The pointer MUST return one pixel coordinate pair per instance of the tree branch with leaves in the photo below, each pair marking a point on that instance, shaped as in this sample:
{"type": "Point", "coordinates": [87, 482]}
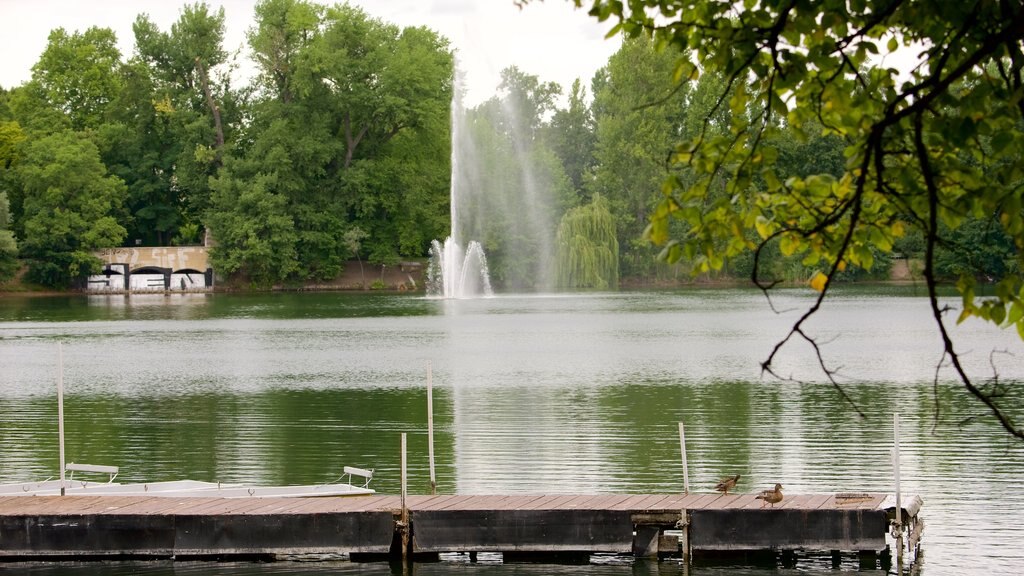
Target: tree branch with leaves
{"type": "Point", "coordinates": [930, 144]}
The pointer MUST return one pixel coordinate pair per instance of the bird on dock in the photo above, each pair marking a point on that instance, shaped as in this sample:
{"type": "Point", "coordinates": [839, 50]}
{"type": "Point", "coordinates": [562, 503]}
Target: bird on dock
{"type": "Point", "coordinates": [727, 483]}
{"type": "Point", "coordinates": [772, 497]}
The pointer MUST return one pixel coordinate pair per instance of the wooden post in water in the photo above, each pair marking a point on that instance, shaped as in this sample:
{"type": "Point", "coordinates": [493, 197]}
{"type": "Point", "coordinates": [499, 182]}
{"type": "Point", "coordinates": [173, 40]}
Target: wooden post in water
{"type": "Point", "coordinates": [899, 498]}
{"type": "Point", "coordinates": [405, 508]}
{"type": "Point", "coordinates": [684, 519]}
{"type": "Point", "coordinates": [682, 446]}
{"type": "Point", "coordinates": [405, 482]}
{"type": "Point", "coordinates": [430, 428]}
{"type": "Point", "coordinates": [60, 411]}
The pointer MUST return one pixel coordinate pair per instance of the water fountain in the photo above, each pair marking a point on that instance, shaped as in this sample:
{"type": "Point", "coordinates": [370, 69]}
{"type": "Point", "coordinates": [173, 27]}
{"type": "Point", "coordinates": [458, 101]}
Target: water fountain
{"type": "Point", "coordinates": [452, 271]}
{"type": "Point", "coordinates": [457, 274]}
{"type": "Point", "coordinates": [501, 197]}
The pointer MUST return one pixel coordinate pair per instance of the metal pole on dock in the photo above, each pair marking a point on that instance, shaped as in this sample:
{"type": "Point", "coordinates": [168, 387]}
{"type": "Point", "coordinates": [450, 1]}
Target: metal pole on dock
{"type": "Point", "coordinates": [405, 510]}
{"type": "Point", "coordinates": [684, 519]}
{"type": "Point", "coordinates": [430, 428]}
{"type": "Point", "coordinates": [686, 472]}
{"type": "Point", "coordinates": [899, 498]}
{"type": "Point", "coordinates": [405, 483]}
{"type": "Point", "coordinates": [60, 411]}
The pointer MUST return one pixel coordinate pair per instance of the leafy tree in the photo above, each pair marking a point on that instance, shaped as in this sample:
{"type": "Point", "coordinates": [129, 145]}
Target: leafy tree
{"type": "Point", "coordinates": [348, 128]}
{"type": "Point", "coordinates": [28, 106]}
{"type": "Point", "coordinates": [381, 80]}
{"type": "Point", "coordinates": [11, 136]}
{"type": "Point", "coordinates": [573, 138]}
{"type": "Point", "coordinates": [69, 207]}
{"type": "Point", "coordinates": [408, 168]}
{"type": "Point", "coordinates": [284, 28]}
{"type": "Point", "coordinates": [978, 248]}
{"type": "Point", "coordinates": [638, 115]}
{"type": "Point", "coordinates": [257, 239]}
{"type": "Point", "coordinates": [141, 144]}
{"type": "Point", "coordinates": [353, 240]}
{"type": "Point", "coordinates": [588, 251]}
{"type": "Point", "coordinates": [926, 151]}
{"type": "Point", "coordinates": [78, 74]}
{"type": "Point", "coordinates": [193, 95]}
{"type": "Point", "coordinates": [8, 245]}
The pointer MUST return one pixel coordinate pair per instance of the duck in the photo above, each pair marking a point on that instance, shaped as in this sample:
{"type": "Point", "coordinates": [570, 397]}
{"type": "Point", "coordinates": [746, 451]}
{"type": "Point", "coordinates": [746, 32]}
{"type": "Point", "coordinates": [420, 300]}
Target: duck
{"type": "Point", "coordinates": [727, 483]}
{"type": "Point", "coordinates": [772, 497]}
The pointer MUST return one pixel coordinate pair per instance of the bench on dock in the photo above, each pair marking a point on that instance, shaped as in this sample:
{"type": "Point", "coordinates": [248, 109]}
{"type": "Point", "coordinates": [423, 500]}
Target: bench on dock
{"type": "Point", "coordinates": [97, 468]}
{"type": "Point", "coordinates": [365, 474]}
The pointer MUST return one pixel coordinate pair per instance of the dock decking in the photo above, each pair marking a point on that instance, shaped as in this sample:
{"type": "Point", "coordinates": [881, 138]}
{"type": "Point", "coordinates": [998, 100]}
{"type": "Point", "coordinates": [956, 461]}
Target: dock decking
{"type": "Point", "coordinates": [134, 526]}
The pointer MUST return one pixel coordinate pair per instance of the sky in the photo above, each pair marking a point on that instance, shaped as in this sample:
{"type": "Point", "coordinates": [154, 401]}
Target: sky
{"type": "Point", "coordinates": [551, 39]}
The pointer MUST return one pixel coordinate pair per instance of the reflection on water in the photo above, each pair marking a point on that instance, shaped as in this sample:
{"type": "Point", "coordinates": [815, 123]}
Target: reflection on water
{"type": "Point", "coordinates": [532, 394]}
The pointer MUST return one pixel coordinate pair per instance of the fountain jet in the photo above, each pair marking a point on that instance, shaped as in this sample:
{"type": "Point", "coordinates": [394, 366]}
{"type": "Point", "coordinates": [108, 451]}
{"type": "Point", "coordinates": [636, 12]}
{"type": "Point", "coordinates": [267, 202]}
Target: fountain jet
{"type": "Point", "coordinates": [452, 272]}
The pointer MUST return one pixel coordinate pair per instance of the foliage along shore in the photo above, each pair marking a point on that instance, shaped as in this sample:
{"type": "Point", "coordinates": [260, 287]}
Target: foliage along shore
{"type": "Point", "coordinates": [379, 278]}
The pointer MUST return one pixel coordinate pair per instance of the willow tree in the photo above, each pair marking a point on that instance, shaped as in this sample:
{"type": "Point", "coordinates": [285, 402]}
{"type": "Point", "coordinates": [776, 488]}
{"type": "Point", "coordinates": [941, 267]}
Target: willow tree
{"type": "Point", "coordinates": [929, 146]}
{"type": "Point", "coordinates": [588, 251]}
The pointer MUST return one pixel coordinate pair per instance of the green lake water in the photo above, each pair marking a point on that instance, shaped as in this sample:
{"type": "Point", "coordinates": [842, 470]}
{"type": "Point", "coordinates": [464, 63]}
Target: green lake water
{"type": "Point", "coordinates": [532, 394]}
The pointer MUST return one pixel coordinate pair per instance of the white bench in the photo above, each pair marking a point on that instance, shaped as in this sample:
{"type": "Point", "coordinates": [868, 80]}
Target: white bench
{"type": "Point", "coordinates": [351, 471]}
{"type": "Point", "coordinates": [97, 468]}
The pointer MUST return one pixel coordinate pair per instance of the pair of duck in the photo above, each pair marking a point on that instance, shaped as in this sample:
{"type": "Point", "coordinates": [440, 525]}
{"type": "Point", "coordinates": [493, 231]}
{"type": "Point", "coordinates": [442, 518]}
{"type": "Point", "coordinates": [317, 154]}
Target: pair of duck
{"type": "Point", "coordinates": [772, 497]}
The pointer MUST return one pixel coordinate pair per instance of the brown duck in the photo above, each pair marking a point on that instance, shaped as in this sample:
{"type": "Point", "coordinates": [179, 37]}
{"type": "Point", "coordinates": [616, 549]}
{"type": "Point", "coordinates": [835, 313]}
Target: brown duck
{"type": "Point", "coordinates": [727, 483]}
{"type": "Point", "coordinates": [772, 497]}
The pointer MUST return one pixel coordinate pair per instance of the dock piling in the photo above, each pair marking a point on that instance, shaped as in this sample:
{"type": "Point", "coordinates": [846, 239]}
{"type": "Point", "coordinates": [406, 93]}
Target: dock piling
{"type": "Point", "coordinates": [60, 410]}
{"type": "Point", "coordinates": [682, 446]}
{"type": "Point", "coordinates": [430, 428]}
{"type": "Point", "coordinates": [404, 527]}
{"type": "Point", "coordinates": [898, 522]}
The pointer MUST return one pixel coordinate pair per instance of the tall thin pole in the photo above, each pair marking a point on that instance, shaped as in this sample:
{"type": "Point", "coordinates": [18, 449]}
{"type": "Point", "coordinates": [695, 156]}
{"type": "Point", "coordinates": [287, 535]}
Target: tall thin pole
{"type": "Point", "coordinates": [684, 514]}
{"type": "Point", "coordinates": [405, 483]}
{"type": "Point", "coordinates": [405, 510]}
{"type": "Point", "coordinates": [686, 471]}
{"type": "Point", "coordinates": [430, 427]}
{"type": "Point", "coordinates": [899, 497]}
{"type": "Point", "coordinates": [60, 411]}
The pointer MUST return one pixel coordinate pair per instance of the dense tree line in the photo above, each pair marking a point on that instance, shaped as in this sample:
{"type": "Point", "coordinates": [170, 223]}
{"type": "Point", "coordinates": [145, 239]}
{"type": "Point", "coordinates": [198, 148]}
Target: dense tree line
{"type": "Point", "coordinates": [337, 148]}
{"type": "Point", "coordinates": [340, 148]}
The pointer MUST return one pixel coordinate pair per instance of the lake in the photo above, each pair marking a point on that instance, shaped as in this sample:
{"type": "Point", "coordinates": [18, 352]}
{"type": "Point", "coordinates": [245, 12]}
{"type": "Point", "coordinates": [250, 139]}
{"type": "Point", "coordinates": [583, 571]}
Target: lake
{"type": "Point", "coordinates": [532, 393]}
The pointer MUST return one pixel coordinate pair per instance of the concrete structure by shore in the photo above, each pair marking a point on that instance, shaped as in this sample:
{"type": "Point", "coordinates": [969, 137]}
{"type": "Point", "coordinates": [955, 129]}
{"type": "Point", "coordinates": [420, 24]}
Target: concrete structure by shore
{"type": "Point", "coordinates": [159, 269]}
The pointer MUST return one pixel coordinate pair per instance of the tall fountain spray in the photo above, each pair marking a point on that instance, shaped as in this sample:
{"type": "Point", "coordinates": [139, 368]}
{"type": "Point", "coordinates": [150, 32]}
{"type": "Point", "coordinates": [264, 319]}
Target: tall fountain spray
{"type": "Point", "coordinates": [507, 191]}
{"type": "Point", "coordinates": [455, 272]}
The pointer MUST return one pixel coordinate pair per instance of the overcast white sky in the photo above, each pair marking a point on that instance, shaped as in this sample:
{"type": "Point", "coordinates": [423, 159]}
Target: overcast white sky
{"type": "Point", "coordinates": [549, 39]}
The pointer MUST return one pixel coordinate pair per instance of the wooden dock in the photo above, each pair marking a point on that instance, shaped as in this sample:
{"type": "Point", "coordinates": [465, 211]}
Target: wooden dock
{"type": "Point", "coordinates": [162, 527]}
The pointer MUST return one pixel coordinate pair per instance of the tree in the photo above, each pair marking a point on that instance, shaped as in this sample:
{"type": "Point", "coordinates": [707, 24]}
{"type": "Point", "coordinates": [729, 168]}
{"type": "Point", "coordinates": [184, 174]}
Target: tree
{"type": "Point", "coordinates": [11, 136]}
{"type": "Point", "coordinates": [284, 28]}
{"type": "Point", "coordinates": [573, 137]}
{"type": "Point", "coordinates": [382, 80]}
{"type": "Point", "coordinates": [141, 144]}
{"type": "Point", "coordinates": [353, 240]}
{"type": "Point", "coordinates": [193, 96]}
{"type": "Point", "coordinates": [78, 74]}
{"type": "Point", "coordinates": [588, 252]}
{"type": "Point", "coordinates": [639, 114]}
{"type": "Point", "coordinates": [8, 245]}
{"type": "Point", "coordinates": [69, 207]}
{"type": "Point", "coordinates": [926, 151]}
{"type": "Point", "coordinates": [257, 238]}
{"type": "Point", "coordinates": [348, 128]}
